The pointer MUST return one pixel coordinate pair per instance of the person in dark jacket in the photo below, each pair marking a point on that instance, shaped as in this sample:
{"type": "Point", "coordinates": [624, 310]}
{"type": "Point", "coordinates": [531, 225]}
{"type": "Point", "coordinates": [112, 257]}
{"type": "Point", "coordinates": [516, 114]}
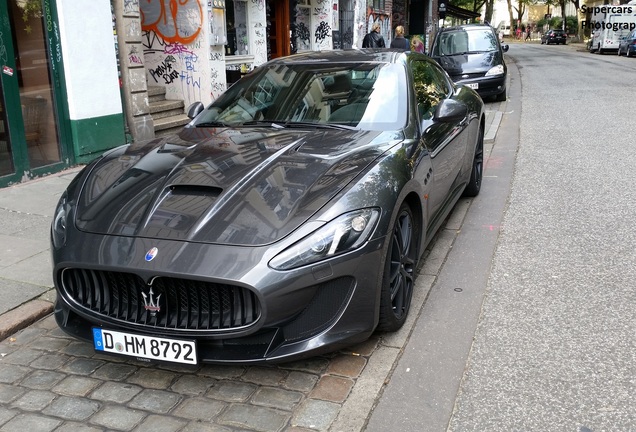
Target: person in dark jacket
{"type": "Point", "coordinates": [399, 41]}
{"type": "Point", "coordinates": [373, 39]}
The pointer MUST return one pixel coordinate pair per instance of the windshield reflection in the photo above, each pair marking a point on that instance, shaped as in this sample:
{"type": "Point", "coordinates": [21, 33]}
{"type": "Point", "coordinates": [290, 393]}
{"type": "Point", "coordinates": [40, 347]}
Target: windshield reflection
{"type": "Point", "coordinates": [367, 96]}
{"type": "Point", "coordinates": [465, 42]}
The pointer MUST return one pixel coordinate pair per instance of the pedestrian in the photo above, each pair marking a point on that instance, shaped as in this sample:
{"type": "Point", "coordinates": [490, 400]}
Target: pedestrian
{"type": "Point", "coordinates": [373, 39]}
{"type": "Point", "coordinates": [528, 33]}
{"type": "Point", "coordinates": [518, 31]}
{"type": "Point", "coordinates": [400, 41]}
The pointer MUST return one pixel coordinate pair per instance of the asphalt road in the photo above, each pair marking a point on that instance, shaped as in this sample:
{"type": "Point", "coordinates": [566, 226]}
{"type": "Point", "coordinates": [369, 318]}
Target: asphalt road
{"type": "Point", "coordinates": [554, 341]}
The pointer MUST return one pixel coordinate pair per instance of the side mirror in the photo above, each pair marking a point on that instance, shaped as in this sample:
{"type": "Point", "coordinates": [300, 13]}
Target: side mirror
{"type": "Point", "coordinates": [505, 47]}
{"type": "Point", "coordinates": [195, 109]}
{"type": "Point", "coordinates": [450, 110]}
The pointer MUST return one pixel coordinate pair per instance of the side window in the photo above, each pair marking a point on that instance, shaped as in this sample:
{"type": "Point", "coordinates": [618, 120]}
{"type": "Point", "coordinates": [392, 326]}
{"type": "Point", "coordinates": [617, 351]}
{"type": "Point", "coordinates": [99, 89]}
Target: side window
{"type": "Point", "coordinates": [430, 86]}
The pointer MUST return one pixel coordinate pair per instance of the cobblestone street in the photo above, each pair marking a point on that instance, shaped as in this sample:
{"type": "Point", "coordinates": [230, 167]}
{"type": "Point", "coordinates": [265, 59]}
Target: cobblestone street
{"type": "Point", "coordinates": [49, 379]}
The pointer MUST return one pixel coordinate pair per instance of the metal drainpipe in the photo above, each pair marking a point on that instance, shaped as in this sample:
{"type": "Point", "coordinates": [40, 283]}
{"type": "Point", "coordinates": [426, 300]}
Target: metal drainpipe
{"type": "Point", "coordinates": [427, 24]}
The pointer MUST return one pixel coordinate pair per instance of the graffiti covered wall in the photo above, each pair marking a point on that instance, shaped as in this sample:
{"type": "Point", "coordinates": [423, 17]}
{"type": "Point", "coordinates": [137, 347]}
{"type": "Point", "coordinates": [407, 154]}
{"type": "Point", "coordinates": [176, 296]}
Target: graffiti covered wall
{"type": "Point", "coordinates": [176, 49]}
{"type": "Point", "coordinates": [322, 24]}
{"type": "Point", "coordinates": [360, 18]}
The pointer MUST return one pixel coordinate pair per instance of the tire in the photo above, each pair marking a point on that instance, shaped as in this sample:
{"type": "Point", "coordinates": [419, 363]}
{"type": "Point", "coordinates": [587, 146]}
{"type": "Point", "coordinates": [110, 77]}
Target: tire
{"type": "Point", "coordinates": [627, 53]}
{"type": "Point", "coordinates": [400, 264]}
{"type": "Point", "coordinates": [619, 51]}
{"type": "Point", "coordinates": [477, 173]}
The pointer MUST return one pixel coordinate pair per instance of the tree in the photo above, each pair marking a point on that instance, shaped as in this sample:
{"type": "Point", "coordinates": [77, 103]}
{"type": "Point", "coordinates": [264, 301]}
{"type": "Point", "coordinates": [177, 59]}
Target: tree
{"type": "Point", "coordinates": [512, 20]}
{"type": "Point", "coordinates": [476, 6]}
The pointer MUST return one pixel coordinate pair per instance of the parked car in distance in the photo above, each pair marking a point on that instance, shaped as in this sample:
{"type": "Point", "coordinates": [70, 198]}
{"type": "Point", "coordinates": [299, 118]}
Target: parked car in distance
{"type": "Point", "coordinates": [554, 36]}
{"type": "Point", "coordinates": [627, 45]}
{"type": "Point", "coordinates": [286, 220]}
{"type": "Point", "coordinates": [503, 28]}
{"type": "Point", "coordinates": [472, 55]}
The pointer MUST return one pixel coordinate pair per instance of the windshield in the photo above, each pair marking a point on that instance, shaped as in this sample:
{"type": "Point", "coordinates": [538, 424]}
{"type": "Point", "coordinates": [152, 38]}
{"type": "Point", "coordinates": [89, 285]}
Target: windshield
{"type": "Point", "coordinates": [465, 41]}
{"type": "Point", "coordinates": [367, 96]}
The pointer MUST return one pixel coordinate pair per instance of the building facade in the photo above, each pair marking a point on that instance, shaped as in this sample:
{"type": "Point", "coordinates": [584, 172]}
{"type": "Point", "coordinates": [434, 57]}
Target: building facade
{"type": "Point", "coordinates": [81, 77]}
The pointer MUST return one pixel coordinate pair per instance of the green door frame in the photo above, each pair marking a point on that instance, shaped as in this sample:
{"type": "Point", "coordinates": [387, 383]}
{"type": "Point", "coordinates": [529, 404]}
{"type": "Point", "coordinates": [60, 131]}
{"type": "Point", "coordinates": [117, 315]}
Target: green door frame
{"type": "Point", "coordinates": [11, 92]}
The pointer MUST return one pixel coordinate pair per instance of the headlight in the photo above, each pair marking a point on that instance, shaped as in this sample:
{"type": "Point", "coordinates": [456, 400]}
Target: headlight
{"type": "Point", "coordinates": [343, 234]}
{"type": "Point", "coordinates": [58, 227]}
{"type": "Point", "coordinates": [495, 70]}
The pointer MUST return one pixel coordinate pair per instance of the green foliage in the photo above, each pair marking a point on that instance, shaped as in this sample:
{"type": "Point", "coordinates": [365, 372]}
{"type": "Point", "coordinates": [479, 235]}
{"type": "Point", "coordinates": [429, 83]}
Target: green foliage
{"type": "Point", "coordinates": [464, 4]}
{"type": "Point", "coordinates": [571, 23]}
{"type": "Point", "coordinates": [30, 8]}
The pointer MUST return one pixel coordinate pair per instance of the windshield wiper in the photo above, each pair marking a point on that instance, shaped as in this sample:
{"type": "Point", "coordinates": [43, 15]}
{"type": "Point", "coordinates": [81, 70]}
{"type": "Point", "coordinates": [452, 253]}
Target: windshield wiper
{"type": "Point", "coordinates": [212, 124]}
{"type": "Point", "coordinates": [262, 123]}
{"type": "Point", "coordinates": [466, 52]}
{"type": "Point", "coordinates": [320, 125]}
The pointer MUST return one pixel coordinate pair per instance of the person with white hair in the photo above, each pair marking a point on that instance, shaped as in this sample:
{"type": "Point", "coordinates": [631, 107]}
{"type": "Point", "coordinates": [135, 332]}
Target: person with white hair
{"type": "Point", "coordinates": [374, 39]}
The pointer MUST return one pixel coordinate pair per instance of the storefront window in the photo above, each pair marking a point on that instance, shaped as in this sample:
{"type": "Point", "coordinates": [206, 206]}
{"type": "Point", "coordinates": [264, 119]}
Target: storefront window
{"type": "Point", "coordinates": [237, 35]}
{"type": "Point", "coordinates": [36, 94]}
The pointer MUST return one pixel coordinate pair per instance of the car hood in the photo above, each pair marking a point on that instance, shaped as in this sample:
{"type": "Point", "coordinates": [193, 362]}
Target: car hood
{"type": "Point", "coordinates": [247, 186]}
{"type": "Point", "coordinates": [478, 63]}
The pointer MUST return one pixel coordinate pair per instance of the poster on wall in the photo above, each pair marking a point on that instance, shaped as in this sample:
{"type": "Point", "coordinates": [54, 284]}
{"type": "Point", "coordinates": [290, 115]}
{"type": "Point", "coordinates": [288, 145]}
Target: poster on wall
{"type": "Point", "coordinates": [335, 22]}
{"type": "Point", "coordinates": [335, 37]}
{"type": "Point", "coordinates": [417, 43]}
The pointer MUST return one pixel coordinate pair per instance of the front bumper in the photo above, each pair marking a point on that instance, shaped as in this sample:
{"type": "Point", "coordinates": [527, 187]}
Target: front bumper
{"type": "Point", "coordinates": [487, 86]}
{"type": "Point", "coordinates": [302, 312]}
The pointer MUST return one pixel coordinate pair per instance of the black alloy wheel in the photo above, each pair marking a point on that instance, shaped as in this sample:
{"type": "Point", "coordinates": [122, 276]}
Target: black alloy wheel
{"type": "Point", "coordinates": [477, 173]}
{"type": "Point", "coordinates": [399, 272]}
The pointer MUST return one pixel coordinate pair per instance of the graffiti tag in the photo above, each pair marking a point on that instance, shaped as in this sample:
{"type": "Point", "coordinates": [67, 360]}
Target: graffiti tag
{"type": "Point", "coordinates": [164, 71]}
{"type": "Point", "coordinates": [175, 21]}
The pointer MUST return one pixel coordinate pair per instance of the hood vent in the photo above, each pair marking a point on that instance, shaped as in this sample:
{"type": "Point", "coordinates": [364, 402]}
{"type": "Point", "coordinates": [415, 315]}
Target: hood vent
{"type": "Point", "coordinates": [196, 190]}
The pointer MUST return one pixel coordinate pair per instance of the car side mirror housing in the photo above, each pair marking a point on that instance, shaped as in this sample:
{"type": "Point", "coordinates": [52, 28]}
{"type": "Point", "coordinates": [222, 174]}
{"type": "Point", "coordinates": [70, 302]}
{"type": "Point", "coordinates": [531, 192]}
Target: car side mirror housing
{"type": "Point", "coordinates": [195, 109]}
{"type": "Point", "coordinates": [505, 47]}
{"type": "Point", "coordinates": [450, 110]}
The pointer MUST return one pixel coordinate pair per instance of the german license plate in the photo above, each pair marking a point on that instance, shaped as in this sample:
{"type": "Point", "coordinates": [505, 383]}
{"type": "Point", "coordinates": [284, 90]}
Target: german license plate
{"type": "Point", "coordinates": [473, 86]}
{"type": "Point", "coordinates": [145, 347]}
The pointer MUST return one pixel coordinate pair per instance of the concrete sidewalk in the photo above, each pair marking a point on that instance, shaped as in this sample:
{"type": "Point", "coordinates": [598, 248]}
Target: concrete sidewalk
{"type": "Point", "coordinates": [26, 284]}
{"type": "Point", "coordinates": [26, 212]}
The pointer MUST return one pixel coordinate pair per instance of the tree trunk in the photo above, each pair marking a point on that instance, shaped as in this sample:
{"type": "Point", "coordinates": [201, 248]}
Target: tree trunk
{"type": "Point", "coordinates": [489, 11]}
{"type": "Point", "coordinates": [562, 2]}
{"type": "Point", "coordinates": [512, 20]}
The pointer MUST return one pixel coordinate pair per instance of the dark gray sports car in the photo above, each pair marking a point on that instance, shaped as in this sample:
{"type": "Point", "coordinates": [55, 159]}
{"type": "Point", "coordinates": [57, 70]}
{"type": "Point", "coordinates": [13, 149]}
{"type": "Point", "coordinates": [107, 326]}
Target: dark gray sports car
{"type": "Point", "coordinates": [285, 220]}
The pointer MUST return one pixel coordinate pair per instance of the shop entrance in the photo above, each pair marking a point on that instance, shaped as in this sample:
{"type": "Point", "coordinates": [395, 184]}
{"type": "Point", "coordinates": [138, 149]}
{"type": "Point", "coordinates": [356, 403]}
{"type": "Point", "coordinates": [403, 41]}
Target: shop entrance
{"type": "Point", "coordinates": [29, 134]}
{"type": "Point", "coordinates": [279, 37]}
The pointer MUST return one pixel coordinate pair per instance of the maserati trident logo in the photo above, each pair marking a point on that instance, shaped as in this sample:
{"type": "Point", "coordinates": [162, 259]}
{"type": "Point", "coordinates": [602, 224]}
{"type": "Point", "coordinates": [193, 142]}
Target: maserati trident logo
{"type": "Point", "coordinates": [151, 254]}
{"type": "Point", "coordinates": [151, 304]}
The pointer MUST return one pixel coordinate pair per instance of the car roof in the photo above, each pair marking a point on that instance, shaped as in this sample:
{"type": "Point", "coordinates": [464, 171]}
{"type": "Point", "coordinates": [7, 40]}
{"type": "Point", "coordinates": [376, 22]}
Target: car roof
{"type": "Point", "coordinates": [345, 56]}
{"type": "Point", "coordinates": [467, 27]}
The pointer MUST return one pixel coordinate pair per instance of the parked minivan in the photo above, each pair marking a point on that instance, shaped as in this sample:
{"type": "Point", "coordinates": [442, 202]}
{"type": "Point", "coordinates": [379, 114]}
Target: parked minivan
{"type": "Point", "coordinates": [472, 55]}
{"type": "Point", "coordinates": [503, 28]}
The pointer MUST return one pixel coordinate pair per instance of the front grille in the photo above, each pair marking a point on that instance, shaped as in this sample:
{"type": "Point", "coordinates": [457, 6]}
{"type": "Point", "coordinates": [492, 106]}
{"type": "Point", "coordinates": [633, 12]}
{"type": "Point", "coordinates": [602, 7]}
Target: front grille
{"type": "Point", "coordinates": [469, 76]}
{"type": "Point", "coordinates": [183, 304]}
